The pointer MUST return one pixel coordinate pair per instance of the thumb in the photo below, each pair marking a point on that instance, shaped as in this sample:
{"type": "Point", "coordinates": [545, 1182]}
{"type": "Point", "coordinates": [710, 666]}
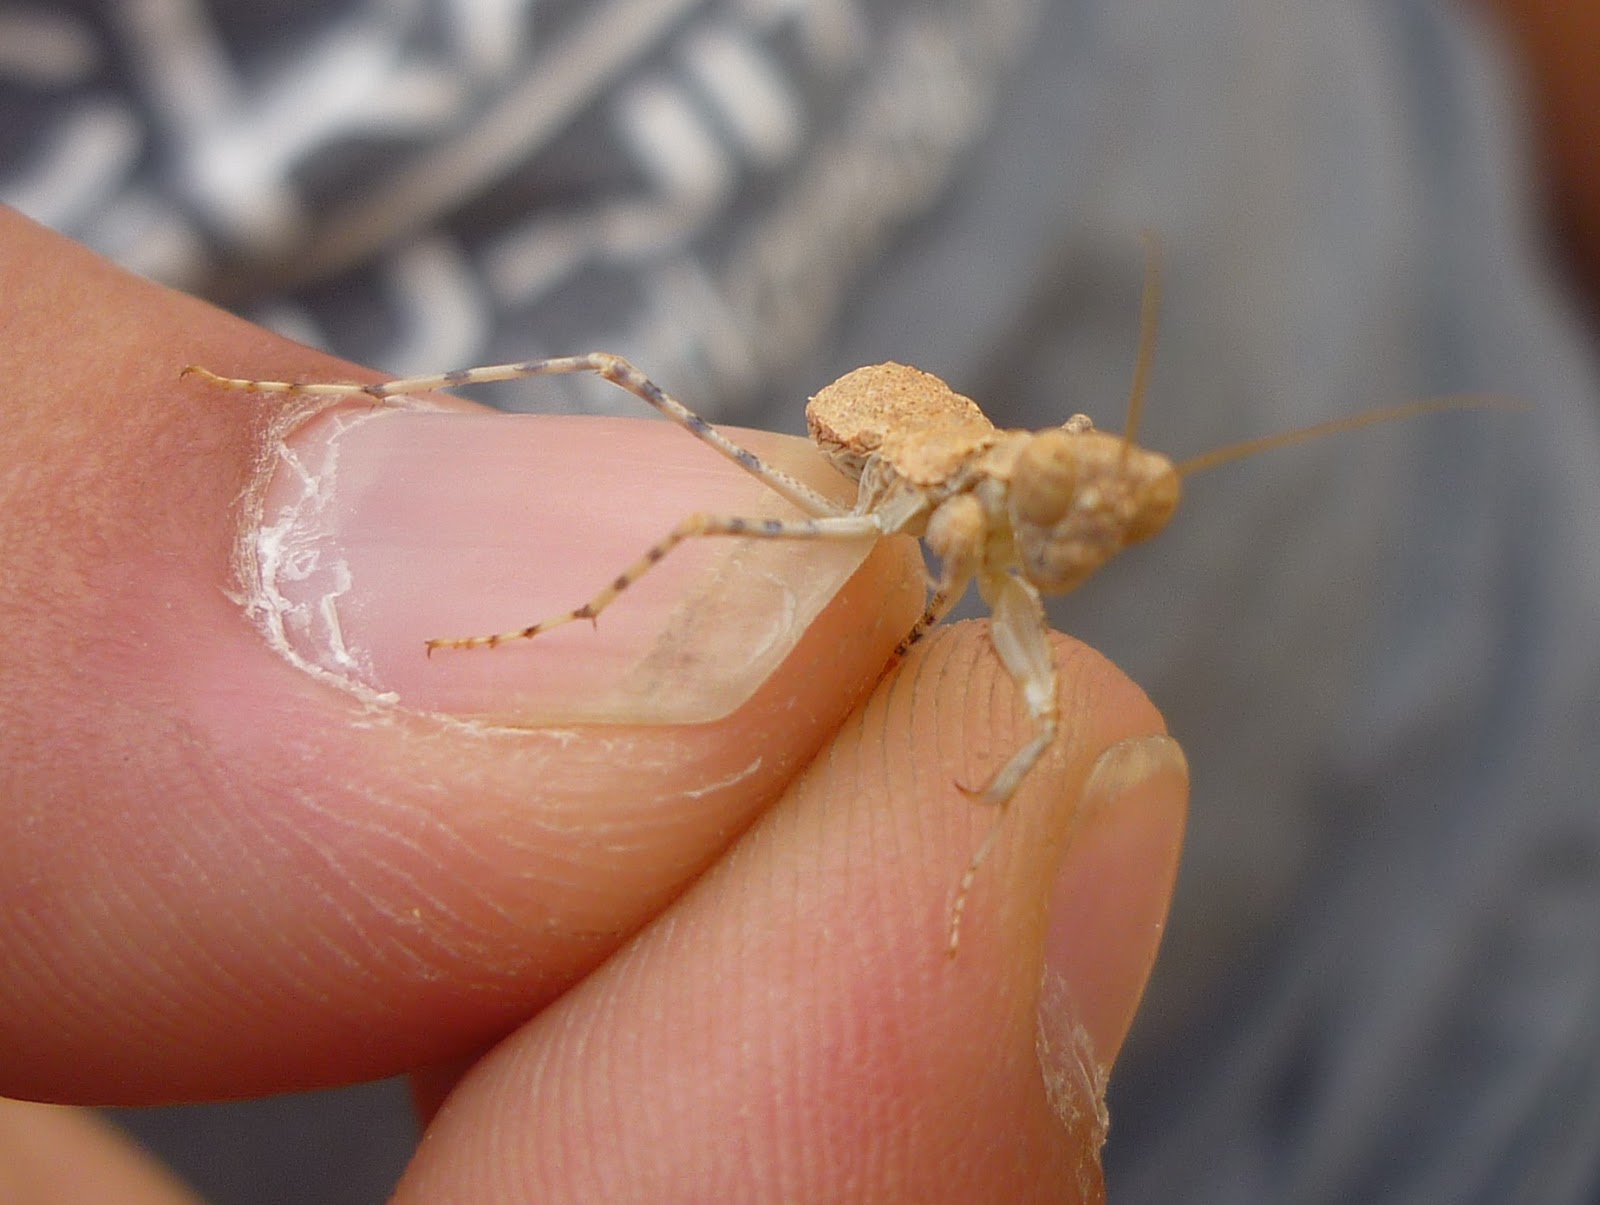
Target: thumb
{"type": "Point", "coordinates": [252, 839]}
{"type": "Point", "coordinates": [793, 1028]}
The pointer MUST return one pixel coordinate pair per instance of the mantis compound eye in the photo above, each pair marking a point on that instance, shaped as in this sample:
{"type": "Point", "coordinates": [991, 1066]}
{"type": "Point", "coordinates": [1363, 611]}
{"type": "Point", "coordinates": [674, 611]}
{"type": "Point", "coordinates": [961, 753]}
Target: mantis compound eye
{"type": "Point", "coordinates": [1157, 499]}
{"type": "Point", "coordinates": [1045, 478]}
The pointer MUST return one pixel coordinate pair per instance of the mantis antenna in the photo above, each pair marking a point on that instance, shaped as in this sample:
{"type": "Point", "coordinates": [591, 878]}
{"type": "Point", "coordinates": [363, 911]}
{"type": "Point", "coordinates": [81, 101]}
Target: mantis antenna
{"type": "Point", "coordinates": [1149, 321]}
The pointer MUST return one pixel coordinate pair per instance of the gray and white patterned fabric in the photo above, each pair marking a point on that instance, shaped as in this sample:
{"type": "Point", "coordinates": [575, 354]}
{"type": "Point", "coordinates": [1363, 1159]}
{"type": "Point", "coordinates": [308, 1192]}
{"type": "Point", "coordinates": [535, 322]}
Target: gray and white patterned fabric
{"type": "Point", "coordinates": [1381, 653]}
{"type": "Point", "coordinates": [427, 182]}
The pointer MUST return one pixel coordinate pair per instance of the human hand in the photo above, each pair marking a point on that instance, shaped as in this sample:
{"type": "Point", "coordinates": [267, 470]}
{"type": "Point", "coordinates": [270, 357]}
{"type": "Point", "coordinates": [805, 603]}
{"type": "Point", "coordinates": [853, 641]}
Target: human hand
{"type": "Point", "coordinates": [625, 961]}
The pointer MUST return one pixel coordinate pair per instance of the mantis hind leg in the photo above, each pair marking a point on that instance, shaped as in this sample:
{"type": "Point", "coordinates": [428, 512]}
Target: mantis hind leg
{"type": "Point", "coordinates": [613, 368]}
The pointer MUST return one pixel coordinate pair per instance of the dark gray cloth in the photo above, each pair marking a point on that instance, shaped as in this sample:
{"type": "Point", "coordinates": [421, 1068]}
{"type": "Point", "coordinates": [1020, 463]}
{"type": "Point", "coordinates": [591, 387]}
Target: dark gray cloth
{"type": "Point", "coordinates": [1381, 653]}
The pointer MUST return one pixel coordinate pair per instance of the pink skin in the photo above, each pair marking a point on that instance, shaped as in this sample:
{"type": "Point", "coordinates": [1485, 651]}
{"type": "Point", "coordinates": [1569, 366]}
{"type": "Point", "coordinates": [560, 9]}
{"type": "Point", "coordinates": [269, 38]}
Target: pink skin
{"type": "Point", "coordinates": [221, 875]}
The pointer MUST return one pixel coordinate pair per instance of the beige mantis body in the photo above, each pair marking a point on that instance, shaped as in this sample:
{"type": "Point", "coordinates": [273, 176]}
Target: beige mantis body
{"type": "Point", "coordinates": [1022, 513]}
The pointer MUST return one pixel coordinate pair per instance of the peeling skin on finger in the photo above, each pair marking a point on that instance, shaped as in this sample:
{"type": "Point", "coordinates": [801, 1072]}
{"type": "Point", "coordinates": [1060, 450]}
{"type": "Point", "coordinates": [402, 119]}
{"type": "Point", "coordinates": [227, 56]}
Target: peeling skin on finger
{"type": "Point", "coordinates": [1074, 1076]}
{"type": "Point", "coordinates": [1074, 1082]}
{"type": "Point", "coordinates": [292, 576]}
{"type": "Point", "coordinates": [731, 780]}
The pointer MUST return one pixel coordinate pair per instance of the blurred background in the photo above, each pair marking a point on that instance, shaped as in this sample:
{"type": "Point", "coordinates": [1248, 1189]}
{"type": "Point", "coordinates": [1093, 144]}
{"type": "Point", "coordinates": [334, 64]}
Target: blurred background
{"type": "Point", "coordinates": [1381, 653]}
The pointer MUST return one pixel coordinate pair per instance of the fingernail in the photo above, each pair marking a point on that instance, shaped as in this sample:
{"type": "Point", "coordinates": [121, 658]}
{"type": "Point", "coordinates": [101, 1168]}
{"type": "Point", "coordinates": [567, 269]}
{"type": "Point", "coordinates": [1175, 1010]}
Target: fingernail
{"type": "Point", "coordinates": [378, 529]}
{"type": "Point", "coordinates": [1108, 908]}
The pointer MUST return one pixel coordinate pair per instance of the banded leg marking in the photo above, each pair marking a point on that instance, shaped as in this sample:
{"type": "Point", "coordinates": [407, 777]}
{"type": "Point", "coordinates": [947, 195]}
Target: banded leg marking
{"type": "Point", "coordinates": [943, 599]}
{"type": "Point", "coordinates": [838, 527]}
{"type": "Point", "coordinates": [613, 368]}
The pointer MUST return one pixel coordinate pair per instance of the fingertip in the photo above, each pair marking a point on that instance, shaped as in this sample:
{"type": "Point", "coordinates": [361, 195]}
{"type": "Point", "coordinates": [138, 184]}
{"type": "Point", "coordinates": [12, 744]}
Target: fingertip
{"type": "Point", "coordinates": [1108, 904]}
{"type": "Point", "coordinates": [55, 1155]}
{"type": "Point", "coordinates": [1112, 889]}
{"type": "Point", "coordinates": [800, 993]}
